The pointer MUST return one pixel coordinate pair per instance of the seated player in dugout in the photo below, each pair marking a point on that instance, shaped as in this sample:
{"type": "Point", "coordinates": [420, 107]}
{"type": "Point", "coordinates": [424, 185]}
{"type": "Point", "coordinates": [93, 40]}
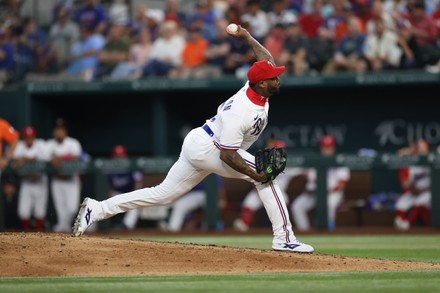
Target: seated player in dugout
{"type": "Point", "coordinates": [413, 207]}
{"type": "Point", "coordinates": [337, 179]}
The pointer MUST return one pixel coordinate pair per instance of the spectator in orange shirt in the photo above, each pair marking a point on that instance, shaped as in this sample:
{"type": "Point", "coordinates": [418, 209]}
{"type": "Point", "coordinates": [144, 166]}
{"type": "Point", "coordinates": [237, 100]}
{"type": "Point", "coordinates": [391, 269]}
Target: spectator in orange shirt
{"type": "Point", "coordinates": [216, 53]}
{"type": "Point", "coordinates": [9, 135]}
{"type": "Point", "coordinates": [193, 54]}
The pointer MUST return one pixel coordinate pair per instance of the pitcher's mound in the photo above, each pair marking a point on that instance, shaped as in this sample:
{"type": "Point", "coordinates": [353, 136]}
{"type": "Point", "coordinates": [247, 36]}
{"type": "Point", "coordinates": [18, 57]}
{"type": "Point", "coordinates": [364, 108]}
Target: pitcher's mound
{"type": "Point", "coordinates": [51, 254]}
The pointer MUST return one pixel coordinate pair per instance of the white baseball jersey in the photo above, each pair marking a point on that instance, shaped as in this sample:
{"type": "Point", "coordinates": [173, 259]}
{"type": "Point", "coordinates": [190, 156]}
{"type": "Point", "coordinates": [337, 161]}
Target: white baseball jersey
{"type": "Point", "coordinates": [240, 120]}
{"type": "Point", "coordinates": [237, 125]}
{"type": "Point", "coordinates": [420, 177]}
{"type": "Point", "coordinates": [38, 150]}
{"type": "Point", "coordinates": [33, 194]}
{"type": "Point", "coordinates": [65, 189]}
{"type": "Point", "coordinates": [67, 148]}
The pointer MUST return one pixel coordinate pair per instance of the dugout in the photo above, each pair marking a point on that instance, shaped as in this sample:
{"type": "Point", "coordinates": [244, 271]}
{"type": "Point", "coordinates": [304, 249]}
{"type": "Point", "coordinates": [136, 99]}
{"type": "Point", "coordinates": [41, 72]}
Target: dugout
{"type": "Point", "coordinates": [382, 111]}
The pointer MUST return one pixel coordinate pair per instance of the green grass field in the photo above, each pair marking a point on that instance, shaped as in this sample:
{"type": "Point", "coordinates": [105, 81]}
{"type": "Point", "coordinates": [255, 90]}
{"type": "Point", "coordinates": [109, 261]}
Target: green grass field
{"type": "Point", "coordinates": [423, 248]}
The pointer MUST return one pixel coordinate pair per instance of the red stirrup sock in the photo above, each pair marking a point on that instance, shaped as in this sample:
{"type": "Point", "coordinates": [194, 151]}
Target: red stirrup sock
{"type": "Point", "coordinates": [26, 225]}
{"type": "Point", "coordinates": [247, 215]}
{"type": "Point", "coordinates": [401, 214]}
{"type": "Point", "coordinates": [425, 215]}
{"type": "Point", "coordinates": [40, 225]}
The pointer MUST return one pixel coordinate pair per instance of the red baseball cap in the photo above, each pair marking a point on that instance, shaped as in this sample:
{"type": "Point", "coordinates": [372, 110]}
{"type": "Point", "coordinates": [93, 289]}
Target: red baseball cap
{"type": "Point", "coordinates": [29, 131]}
{"type": "Point", "coordinates": [328, 141]}
{"type": "Point", "coordinates": [262, 70]}
{"type": "Point", "coordinates": [119, 151]}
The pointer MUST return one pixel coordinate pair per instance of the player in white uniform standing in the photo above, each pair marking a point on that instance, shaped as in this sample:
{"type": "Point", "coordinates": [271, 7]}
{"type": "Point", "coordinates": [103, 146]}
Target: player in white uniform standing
{"type": "Point", "coordinates": [66, 189]}
{"type": "Point", "coordinates": [34, 192]}
{"type": "Point", "coordinates": [337, 178]}
{"type": "Point", "coordinates": [219, 146]}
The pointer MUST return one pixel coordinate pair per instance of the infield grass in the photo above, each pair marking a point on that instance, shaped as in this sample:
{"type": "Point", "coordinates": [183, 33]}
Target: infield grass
{"type": "Point", "coordinates": [425, 248]}
{"type": "Point", "coordinates": [386, 282]}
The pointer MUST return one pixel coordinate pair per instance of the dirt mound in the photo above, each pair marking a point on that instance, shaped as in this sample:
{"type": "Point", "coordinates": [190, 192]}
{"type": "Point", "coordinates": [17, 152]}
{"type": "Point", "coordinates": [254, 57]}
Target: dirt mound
{"type": "Point", "coordinates": [51, 254]}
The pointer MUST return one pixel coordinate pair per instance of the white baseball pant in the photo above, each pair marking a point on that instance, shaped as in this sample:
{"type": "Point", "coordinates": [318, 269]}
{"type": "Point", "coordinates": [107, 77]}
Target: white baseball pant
{"type": "Point", "coordinates": [199, 157]}
{"type": "Point", "coordinates": [66, 198]}
{"type": "Point", "coordinates": [32, 199]}
{"type": "Point", "coordinates": [406, 201]}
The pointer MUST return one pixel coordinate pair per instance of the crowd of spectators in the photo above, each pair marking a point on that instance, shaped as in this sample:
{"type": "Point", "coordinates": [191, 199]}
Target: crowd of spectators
{"type": "Point", "coordinates": [88, 41]}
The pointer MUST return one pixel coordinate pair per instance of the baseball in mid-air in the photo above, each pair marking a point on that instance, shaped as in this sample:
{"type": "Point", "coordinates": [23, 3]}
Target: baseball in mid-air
{"type": "Point", "coordinates": [232, 28]}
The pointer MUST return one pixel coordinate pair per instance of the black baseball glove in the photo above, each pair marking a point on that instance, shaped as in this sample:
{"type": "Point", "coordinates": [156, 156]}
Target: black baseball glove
{"type": "Point", "coordinates": [271, 161]}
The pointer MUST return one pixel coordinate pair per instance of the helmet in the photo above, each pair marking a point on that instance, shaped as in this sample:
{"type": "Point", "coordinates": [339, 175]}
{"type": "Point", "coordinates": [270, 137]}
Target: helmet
{"type": "Point", "coordinates": [119, 151]}
{"type": "Point", "coordinates": [28, 131]}
{"type": "Point", "coordinates": [327, 141]}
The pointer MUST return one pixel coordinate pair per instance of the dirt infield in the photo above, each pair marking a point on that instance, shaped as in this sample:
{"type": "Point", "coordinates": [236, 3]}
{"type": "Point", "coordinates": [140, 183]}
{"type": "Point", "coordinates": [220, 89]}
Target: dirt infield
{"type": "Point", "coordinates": [51, 254]}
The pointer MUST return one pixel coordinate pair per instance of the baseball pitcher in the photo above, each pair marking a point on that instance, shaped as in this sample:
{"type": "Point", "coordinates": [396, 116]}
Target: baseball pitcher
{"type": "Point", "coordinates": [219, 146]}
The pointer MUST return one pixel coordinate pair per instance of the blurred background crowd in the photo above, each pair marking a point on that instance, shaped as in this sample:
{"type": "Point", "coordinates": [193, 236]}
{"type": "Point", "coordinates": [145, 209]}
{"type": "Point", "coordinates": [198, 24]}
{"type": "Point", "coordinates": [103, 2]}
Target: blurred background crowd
{"type": "Point", "coordinates": [128, 39]}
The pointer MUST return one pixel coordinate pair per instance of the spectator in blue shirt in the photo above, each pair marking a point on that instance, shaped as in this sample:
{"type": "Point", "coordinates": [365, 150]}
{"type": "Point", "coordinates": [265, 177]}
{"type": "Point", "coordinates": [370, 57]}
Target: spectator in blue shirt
{"type": "Point", "coordinates": [93, 15]}
{"type": "Point", "coordinates": [31, 49]}
{"type": "Point", "coordinates": [205, 15]}
{"type": "Point", "coordinates": [84, 54]}
{"type": "Point", "coordinates": [348, 56]}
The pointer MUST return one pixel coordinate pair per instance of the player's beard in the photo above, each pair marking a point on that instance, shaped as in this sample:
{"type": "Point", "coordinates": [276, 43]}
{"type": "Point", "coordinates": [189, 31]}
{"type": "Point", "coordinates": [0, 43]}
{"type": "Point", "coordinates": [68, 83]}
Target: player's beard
{"type": "Point", "coordinates": [274, 91]}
